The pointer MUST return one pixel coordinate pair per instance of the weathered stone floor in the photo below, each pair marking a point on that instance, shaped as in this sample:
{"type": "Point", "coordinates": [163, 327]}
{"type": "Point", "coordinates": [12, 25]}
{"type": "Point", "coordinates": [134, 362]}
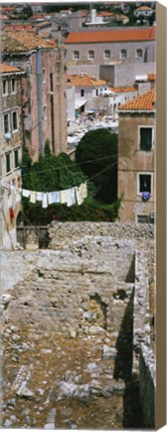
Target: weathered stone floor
{"type": "Point", "coordinates": [67, 338]}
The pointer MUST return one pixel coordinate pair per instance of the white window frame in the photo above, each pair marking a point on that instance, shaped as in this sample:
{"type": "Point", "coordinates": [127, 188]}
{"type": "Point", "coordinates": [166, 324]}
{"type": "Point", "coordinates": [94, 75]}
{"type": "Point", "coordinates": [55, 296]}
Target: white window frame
{"type": "Point", "coordinates": [76, 55]}
{"type": "Point", "coordinates": [91, 54]}
{"type": "Point", "coordinates": [4, 114]}
{"type": "Point", "coordinates": [106, 52]}
{"type": "Point", "coordinates": [6, 89]}
{"type": "Point", "coordinates": [153, 137]}
{"type": "Point", "coordinates": [13, 80]}
{"type": "Point", "coordinates": [123, 51]}
{"type": "Point", "coordinates": [137, 53]}
{"type": "Point", "coordinates": [15, 111]}
{"type": "Point", "coordinates": [138, 182]}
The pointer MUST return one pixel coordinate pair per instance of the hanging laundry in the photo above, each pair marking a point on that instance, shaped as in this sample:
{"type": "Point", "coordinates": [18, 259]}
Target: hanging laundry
{"type": "Point", "coordinates": [71, 197]}
{"type": "Point", "coordinates": [12, 192]}
{"type": "Point", "coordinates": [79, 197]}
{"type": "Point", "coordinates": [45, 200]}
{"type": "Point", "coordinates": [33, 197]}
{"type": "Point", "coordinates": [18, 197]}
{"type": "Point", "coordinates": [53, 197]}
{"type": "Point", "coordinates": [9, 201]}
{"type": "Point", "coordinates": [84, 191]}
{"type": "Point", "coordinates": [63, 196]}
{"type": "Point", "coordinates": [39, 196]}
{"type": "Point", "coordinates": [25, 193]}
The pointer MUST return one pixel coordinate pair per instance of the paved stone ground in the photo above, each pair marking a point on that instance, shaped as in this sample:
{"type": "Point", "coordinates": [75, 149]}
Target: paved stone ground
{"type": "Point", "coordinates": [67, 337]}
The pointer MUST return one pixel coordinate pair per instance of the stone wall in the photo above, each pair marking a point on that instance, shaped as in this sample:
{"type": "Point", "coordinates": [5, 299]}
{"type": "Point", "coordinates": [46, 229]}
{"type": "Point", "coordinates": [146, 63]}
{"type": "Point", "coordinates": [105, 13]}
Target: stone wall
{"type": "Point", "coordinates": [147, 382]}
{"type": "Point", "coordinates": [91, 282]}
{"type": "Point", "coordinates": [61, 234]}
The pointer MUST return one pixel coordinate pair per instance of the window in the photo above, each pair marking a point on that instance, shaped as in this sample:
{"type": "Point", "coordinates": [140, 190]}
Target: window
{"type": "Point", "coordinates": [44, 75]}
{"type": "Point", "coordinates": [82, 92]}
{"type": "Point", "coordinates": [6, 127]}
{"type": "Point", "coordinates": [8, 167]}
{"type": "Point", "coordinates": [139, 53]}
{"type": "Point", "coordinates": [16, 158]}
{"type": "Point", "coordinates": [107, 54]}
{"type": "Point", "coordinates": [44, 113]}
{"type": "Point", "coordinates": [14, 121]}
{"type": "Point", "coordinates": [123, 53]}
{"type": "Point", "coordinates": [76, 55]}
{"type": "Point", "coordinates": [91, 54]}
{"type": "Point", "coordinates": [4, 87]}
{"type": "Point", "coordinates": [13, 85]}
{"type": "Point", "coordinates": [142, 219]}
{"type": "Point", "coordinates": [146, 138]}
{"type": "Point", "coordinates": [144, 183]}
{"type": "Point", "coordinates": [51, 82]}
{"type": "Point", "coordinates": [97, 92]}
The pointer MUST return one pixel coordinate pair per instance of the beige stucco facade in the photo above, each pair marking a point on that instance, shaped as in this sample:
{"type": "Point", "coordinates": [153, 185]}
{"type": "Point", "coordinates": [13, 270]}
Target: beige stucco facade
{"type": "Point", "coordinates": [133, 163]}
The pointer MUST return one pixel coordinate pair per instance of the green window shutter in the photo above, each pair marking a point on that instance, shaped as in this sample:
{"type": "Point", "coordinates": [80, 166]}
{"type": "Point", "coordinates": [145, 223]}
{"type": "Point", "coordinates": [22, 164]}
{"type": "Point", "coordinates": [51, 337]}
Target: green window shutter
{"type": "Point", "coordinates": [145, 139]}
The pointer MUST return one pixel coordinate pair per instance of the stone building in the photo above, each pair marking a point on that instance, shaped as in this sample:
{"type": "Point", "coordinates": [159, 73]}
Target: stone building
{"type": "Point", "coordinates": [127, 47]}
{"type": "Point", "coordinates": [11, 150]}
{"type": "Point", "coordinates": [136, 159]}
{"type": "Point", "coordinates": [86, 92]}
{"type": "Point", "coordinates": [44, 99]}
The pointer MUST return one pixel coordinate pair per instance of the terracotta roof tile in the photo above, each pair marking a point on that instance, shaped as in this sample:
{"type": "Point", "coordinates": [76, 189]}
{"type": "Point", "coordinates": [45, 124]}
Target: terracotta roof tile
{"type": "Point", "coordinates": [105, 14]}
{"type": "Point", "coordinates": [20, 41]}
{"type": "Point", "coordinates": [151, 77]}
{"type": "Point", "coordinates": [84, 81]}
{"type": "Point", "coordinates": [123, 89]}
{"type": "Point", "coordinates": [122, 35]}
{"type": "Point", "coordinates": [144, 102]}
{"type": "Point", "coordinates": [5, 68]}
{"type": "Point", "coordinates": [144, 8]}
{"type": "Point", "coordinates": [18, 27]}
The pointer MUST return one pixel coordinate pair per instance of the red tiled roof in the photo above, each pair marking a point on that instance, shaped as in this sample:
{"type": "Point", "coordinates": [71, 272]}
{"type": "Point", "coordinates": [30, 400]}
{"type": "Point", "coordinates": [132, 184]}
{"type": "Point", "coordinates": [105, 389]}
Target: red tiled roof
{"type": "Point", "coordinates": [5, 68]}
{"type": "Point", "coordinates": [84, 81]}
{"type": "Point", "coordinates": [105, 14]}
{"type": "Point", "coordinates": [7, 8]}
{"type": "Point", "coordinates": [19, 27]}
{"type": "Point", "coordinates": [141, 34]}
{"type": "Point", "coordinates": [151, 77]}
{"type": "Point", "coordinates": [123, 89]}
{"type": "Point", "coordinates": [20, 41]}
{"type": "Point", "coordinates": [144, 102]}
{"type": "Point", "coordinates": [144, 8]}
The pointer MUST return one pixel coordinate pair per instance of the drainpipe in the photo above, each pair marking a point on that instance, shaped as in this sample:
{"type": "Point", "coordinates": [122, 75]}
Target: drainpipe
{"type": "Point", "coordinates": [39, 101]}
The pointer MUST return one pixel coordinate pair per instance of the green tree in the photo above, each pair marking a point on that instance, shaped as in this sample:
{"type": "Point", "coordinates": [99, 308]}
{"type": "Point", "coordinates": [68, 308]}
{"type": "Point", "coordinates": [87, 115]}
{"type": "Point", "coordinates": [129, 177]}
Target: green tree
{"type": "Point", "coordinates": [97, 154]}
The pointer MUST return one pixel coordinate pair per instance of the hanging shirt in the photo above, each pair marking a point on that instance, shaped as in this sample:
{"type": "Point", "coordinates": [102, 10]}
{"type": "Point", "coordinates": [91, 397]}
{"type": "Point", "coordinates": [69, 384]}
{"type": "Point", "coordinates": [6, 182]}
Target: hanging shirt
{"type": "Point", "coordinates": [10, 201]}
{"type": "Point", "coordinates": [53, 197]}
{"type": "Point", "coordinates": [33, 197]}
{"type": "Point", "coordinates": [25, 193]}
{"type": "Point", "coordinates": [45, 200]}
{"type": "Point", "coordinates": [63, 196]}
{"type": "Point", "coordinates": [71, 197]}
{"type": "Point", "coordinates": [84, 191]}
{"type": "Point", "coordinates": [18, 197]}
{"type": "Point", "coordinates": [13, 193]}
{"type": "Point", "coordinates": [39, 196]}
{"type": "Point", "coordinates": [78, 194]}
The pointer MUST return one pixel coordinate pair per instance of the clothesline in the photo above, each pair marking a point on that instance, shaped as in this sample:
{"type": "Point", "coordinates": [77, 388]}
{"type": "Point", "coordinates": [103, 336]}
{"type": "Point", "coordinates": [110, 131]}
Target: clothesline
{"type": "Point", "coordinates": [70, 196]}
